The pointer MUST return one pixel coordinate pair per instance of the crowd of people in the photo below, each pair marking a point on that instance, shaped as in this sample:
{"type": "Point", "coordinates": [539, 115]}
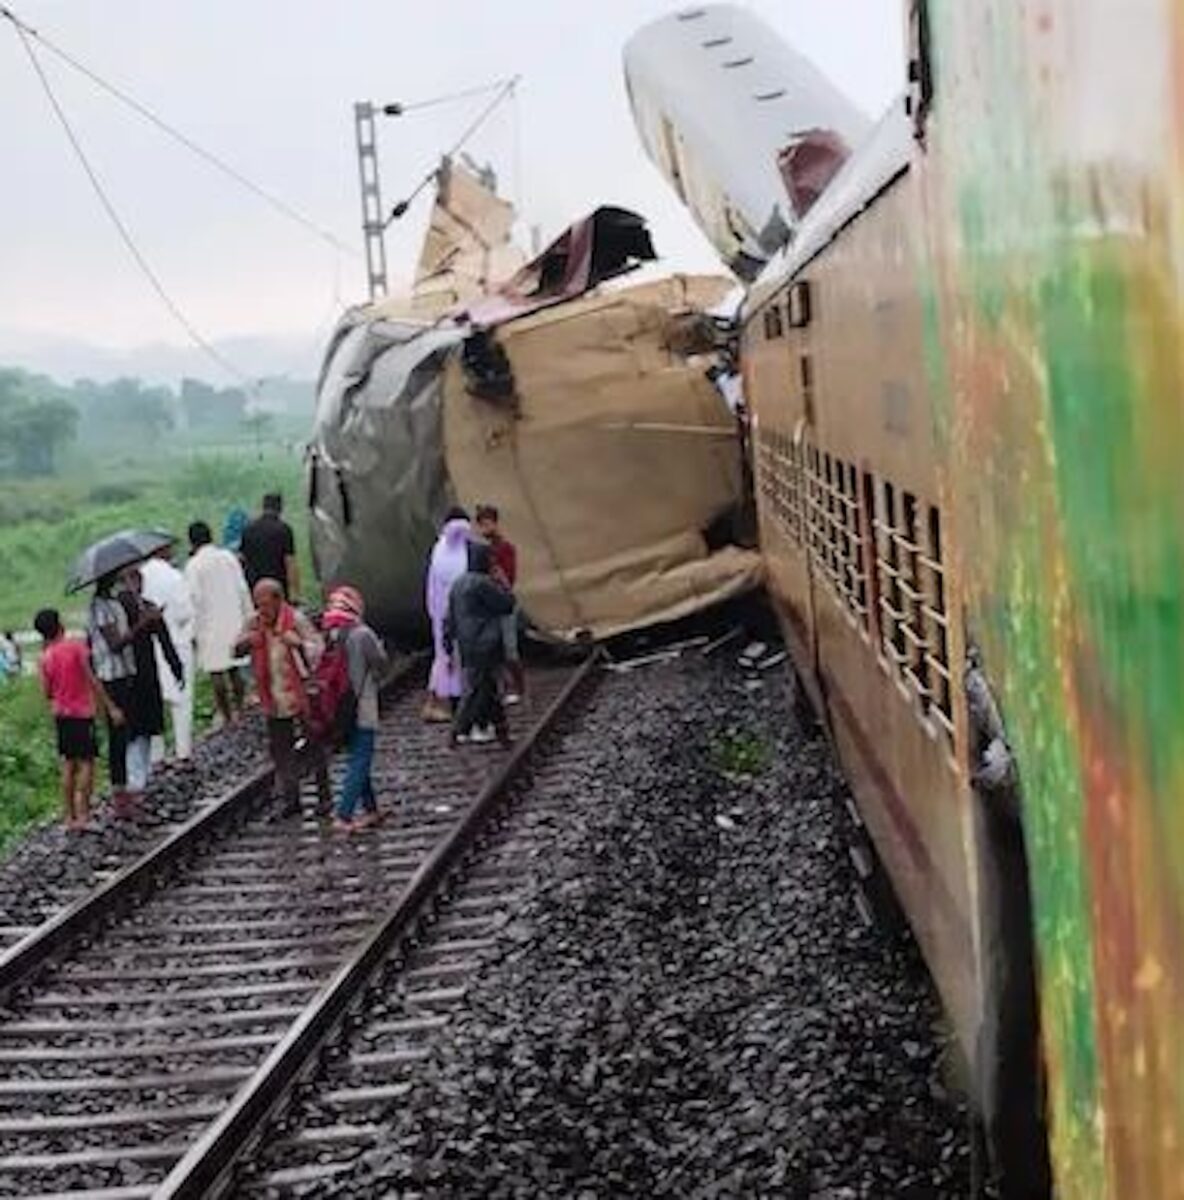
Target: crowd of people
{"type": "Point", "coordinates": [151, 626]}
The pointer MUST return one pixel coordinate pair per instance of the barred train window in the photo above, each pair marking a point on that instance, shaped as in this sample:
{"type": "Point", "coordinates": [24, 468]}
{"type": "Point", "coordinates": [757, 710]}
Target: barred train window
{"type": "Point", "coordinates": [914, 623]}
{"type": "Point", "coordinates": [879, 553]}
{"type": "Point", "coordinates": [779, 481]}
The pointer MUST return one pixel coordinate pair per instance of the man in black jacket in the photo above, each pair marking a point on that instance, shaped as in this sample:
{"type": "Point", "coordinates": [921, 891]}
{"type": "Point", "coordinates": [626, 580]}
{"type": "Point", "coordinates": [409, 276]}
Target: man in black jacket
{"type": "Point", "coordinates": [476, 606]}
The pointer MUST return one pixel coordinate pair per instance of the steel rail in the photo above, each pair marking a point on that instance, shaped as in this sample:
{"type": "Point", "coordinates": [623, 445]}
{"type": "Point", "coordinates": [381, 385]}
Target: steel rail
{"type": "Point", "coordinates": [90, 911]}
{"type": "Point", "coordinates": [206, 1168]}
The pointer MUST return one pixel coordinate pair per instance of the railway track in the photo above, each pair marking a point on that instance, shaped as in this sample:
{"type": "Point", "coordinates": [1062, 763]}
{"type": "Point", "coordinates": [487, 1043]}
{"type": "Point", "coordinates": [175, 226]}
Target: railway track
{"type": "Point", "coordinates": [154, 1026]}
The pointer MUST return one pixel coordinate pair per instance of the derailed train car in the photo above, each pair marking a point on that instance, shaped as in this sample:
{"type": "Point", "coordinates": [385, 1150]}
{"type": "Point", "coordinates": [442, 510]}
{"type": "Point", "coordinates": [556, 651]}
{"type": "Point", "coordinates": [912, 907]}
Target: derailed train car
{"type": "Point", "coordinates": [964, 375]}
{"type": "Point", "coordinates": [583, 412]}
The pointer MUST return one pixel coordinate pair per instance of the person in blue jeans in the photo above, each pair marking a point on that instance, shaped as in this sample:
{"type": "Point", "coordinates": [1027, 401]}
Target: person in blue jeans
{"type": "Point", "coordinates": [368, 665]}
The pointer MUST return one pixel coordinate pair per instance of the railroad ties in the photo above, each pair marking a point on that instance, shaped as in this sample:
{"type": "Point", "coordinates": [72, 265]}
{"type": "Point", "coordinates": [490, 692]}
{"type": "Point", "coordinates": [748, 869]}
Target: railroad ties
{"type": "Point", "coordinates": [142, 1060]}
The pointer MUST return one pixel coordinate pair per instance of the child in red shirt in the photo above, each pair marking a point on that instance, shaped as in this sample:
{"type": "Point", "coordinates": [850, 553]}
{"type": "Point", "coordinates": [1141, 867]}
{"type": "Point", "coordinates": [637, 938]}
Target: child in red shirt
{"type": "Point", "coordinates": [72, 691]}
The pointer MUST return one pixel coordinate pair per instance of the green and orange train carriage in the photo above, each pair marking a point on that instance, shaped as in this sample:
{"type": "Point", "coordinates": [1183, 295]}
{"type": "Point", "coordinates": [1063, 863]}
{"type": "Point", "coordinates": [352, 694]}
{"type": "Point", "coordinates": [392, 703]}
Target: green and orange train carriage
{"type": "Point", "coordinates": [966, 384]}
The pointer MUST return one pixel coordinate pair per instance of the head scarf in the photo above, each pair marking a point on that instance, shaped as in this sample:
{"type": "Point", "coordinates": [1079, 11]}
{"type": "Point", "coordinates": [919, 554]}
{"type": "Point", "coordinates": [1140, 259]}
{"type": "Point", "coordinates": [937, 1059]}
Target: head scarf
{"type": "Point", "coordinates": [449, 562]}
{"type": "Point", "coordinates": [232, 530]}
{"type": "Point", "coordinates": [345, 607]}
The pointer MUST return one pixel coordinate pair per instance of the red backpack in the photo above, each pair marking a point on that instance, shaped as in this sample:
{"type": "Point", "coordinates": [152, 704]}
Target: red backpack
{"type": "Point", "coordinates": [332, 704]}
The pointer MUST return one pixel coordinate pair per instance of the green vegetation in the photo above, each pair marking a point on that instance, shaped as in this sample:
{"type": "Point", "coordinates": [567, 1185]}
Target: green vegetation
{"type": "Point", "coordinates": [84, 460]}
{"type": "Point", "coordinates": [44, 524]}
{"type": "Point", "coordinates": [28, 760]}
{"type": "Point", "coordinates": [740, 752]}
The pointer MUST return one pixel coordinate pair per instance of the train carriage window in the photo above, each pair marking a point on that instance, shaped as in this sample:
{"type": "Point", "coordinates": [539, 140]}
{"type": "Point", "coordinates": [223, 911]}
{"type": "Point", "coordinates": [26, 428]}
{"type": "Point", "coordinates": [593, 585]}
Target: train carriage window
{"type": "Point", "coordinates": [799, 304]}
{"type": "Point", "coordinates": [856, 579]}
{"type": "Point", "coordinates": [891, 598]}
{"type": "Point", "coordinates": [795, 458]}
{"type": "Point", "coordinates": [774, 325]}
{"type": "Point", "coordinates": [914, 625]}
{"type": "Point", "coordinates": [873, 615]}
{"type": "Point", "coordinates": [919, 93]}
{"type": "Point", "coordinates": [938, 629]}
{"type": "Point", "coordinates": [830, 563]}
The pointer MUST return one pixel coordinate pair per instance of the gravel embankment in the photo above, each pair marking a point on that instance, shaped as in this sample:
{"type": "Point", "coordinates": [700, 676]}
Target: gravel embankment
{"type": "Point", "coordinates": [687, 1004]}
{"type": "Point", "coordinates": [49, 867]}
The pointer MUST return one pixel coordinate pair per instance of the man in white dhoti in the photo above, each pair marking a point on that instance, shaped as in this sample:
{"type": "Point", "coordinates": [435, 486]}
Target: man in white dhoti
{"type": "Point", "coordinates": [165, 587]}
{"type": "Point", "coordinates": [221, 606]}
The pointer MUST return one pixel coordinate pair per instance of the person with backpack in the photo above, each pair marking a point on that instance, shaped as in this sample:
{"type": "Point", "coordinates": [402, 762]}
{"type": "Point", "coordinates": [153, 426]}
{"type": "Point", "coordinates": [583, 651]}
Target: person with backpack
{"type": "Point", "coordinates": [477, 605]}
{"type": "Point", "coordinates": [351, 669]}
{"type": "Point", "coordinates": [285, 649]}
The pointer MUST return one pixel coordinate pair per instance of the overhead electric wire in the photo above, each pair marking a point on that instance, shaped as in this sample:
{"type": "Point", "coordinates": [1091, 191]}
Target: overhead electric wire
{"type": "Point", "coordinates": [218, 163]}
{"type": "Point", "coordinates": [447, 98]}
{"type": "Point", "coordinates": [505, 90]}
{"type": "Point", "coordinates": [195, 335]}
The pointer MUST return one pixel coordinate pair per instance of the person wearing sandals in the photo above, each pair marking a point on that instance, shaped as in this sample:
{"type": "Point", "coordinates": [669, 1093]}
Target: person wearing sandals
{"type": "Point", "coordinates": [367, 664]}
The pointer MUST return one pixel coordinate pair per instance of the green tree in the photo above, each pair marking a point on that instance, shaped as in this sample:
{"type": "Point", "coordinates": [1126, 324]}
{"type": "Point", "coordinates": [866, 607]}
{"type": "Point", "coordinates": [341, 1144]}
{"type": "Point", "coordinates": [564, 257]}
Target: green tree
{"type": "Point", "coordinates": [36, 422]}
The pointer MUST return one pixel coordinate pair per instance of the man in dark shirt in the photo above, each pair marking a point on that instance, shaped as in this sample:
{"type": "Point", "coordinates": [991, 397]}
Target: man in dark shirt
{"type": "Point", "coordinates": [269, 549]}
{"type": "Point", "coordinates": [505, 572]}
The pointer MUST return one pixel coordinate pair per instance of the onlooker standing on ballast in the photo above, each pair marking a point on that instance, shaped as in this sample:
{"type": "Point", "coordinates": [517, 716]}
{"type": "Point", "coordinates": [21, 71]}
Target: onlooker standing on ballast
{"type": "Point", "coordinates": [269, 549]}
{"type": "Point", "coordinates": [476, 607]}
{"type": "Point", "coordinates": [145, 707]}
{"type": "Point", "coordinates": [165, 586]}
{"type": "Point", "coordinates": [221, 604]}
{"type": "Point", "coordinates": [448, 562]}
{"type": "Point", "coordinates": [73, 692]}
{"type": "Point", "coordinates": [111, 636]}
{"type": "Point", "coordinates": [368, 665]}
{"type": "Point", "coordinates": [284, 649]}
{"type": "Point", "coordinates": [505, 572]}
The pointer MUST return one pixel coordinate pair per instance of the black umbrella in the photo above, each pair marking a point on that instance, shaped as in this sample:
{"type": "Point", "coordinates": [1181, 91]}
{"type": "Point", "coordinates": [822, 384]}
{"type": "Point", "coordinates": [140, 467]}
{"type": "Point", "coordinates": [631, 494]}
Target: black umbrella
{"type": "Point", "coordinates": [123, 549]}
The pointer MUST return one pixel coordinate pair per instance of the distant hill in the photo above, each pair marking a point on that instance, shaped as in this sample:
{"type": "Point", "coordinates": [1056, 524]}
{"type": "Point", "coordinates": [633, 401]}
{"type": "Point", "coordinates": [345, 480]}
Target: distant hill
{"type": "Point", "coordinates": [65, 358]}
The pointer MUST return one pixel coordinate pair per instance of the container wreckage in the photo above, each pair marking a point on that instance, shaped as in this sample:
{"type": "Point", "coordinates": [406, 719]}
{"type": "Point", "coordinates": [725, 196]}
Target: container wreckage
{"type": "Point", "coordinates": [584, 412]}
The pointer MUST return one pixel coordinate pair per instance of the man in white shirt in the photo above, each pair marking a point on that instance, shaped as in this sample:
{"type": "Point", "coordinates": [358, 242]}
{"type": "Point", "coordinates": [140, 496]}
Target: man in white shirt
{"type": "Point", "coordinates": [165, 587]}
{"type": "Point", "coordinates": [221, 606]}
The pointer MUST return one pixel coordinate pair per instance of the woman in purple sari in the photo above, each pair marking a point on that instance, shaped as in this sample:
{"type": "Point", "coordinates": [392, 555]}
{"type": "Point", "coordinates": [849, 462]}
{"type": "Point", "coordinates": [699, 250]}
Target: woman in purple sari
{"type": "Point", "coordinates": [449, 561]}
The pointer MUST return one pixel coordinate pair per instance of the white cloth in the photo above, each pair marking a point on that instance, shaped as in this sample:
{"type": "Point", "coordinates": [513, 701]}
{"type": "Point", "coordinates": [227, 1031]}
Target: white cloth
{"type": "Point", "coordinates": [139, 764]}
{"type": "Point", "coordinates": [731, 389]}
{"type": "Point", "coordinates": [165, 587]}
{"type": "Point", "coordinates": [221, 605]}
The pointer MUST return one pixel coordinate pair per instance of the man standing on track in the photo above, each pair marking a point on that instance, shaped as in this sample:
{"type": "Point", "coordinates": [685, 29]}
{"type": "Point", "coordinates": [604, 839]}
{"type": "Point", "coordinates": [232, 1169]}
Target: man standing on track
{"type": "Point", "coordinates": [505, 572]}
{"type": "Point", "coordinates": [269, 549]}
{"type": "Point", "coordinates": [221, 603]}
{"type": "Point", "coordinates": [165, 586]}
{"type": "Point", "coordinates": [476, 606]}
{"type": "Point", "coordinates": [284, 649]}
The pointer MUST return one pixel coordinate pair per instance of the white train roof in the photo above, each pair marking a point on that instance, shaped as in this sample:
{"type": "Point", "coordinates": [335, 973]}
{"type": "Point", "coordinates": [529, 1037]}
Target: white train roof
{"type": "Point", "coordinates": [734, 96]}
{"type": "Point", "coordinates": [883, 156]}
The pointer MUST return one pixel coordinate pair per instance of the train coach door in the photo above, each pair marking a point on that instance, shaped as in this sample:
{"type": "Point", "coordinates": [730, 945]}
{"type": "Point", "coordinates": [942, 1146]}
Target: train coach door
{"type": "Point", "coordinates": [815, 497]}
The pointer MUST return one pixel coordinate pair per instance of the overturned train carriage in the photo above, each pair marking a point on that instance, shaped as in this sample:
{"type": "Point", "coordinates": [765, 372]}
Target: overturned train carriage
{"type": "Point", "coordinates": [587, 419]}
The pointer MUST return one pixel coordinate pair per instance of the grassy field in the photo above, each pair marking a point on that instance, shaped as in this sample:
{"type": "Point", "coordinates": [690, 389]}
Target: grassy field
{"type": "Point", "coordinates": [43, 526]}
{"type": "Point", "coordinates": [28, 760]}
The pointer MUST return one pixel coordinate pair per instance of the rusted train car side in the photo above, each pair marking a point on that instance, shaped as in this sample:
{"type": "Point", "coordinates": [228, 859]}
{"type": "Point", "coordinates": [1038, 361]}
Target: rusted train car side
{"type": "Point", "coordinates": [964, 378]}
{"type": "Point", "coordinates": [853, 528]}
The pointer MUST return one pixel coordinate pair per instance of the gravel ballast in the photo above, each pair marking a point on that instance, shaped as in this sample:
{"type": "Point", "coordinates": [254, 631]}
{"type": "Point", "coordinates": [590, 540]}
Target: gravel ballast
{"type": "Point", "coordinates": [687, 1004]}
{"type": "Point", "coordinates": [50, 867]}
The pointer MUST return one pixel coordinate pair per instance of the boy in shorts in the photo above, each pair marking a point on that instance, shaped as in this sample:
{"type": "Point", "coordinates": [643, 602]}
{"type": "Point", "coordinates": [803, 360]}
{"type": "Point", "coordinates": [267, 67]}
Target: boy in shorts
{"type": "Point", "coordinates": [73, 692]}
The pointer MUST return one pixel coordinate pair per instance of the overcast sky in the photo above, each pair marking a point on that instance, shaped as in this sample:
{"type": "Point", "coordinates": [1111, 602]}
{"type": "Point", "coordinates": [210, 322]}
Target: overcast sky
{"type": "Point", "coordinates": [269, 85]}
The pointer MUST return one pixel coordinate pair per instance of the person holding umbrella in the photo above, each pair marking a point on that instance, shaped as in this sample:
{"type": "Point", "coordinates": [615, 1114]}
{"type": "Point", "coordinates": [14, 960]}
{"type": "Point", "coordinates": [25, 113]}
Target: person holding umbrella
{"type": "Point", "coordinates": [111, 636]}
{"type": "Point", "coordinates": [145, 713]}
